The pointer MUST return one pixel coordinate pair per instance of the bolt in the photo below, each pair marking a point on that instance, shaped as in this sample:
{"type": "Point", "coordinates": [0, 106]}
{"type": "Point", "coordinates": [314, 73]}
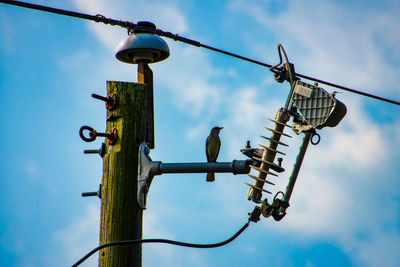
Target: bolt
{"type": "Point", "coordinates": [248, 144]}
{"type": "Point", "coordinates": [146, 150]}
{"type": "Point", "coordinates": [91, 151]}
{"type": "Point", "coordinates": [111, 100]}
{"type": "Point", "coordinates": [99, 97]}
{"type": "Point", "coordinates": [112, 136]}
{"type": "Point", "coordinates": [89, 194]}
{"type": "Point", "coordinates": [92, 194]}
{"type": "Point", "coordinates": [100, 151]}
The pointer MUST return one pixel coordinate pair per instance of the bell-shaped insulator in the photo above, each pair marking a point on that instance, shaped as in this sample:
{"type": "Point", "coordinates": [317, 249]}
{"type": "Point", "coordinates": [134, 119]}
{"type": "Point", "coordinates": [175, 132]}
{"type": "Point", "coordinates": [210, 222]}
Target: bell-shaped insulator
{"type": "Point", "coordinates": [142, 45]}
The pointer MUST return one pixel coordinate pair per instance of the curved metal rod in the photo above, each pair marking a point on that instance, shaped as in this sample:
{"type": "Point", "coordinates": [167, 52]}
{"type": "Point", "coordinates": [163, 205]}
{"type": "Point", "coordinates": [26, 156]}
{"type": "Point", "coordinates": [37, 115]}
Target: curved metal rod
{"type": "Point", "coordinates": [280, 48]}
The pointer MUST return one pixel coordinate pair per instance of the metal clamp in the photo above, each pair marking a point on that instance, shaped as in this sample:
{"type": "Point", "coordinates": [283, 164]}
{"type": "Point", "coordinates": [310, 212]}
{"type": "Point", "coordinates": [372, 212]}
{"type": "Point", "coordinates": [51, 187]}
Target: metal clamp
{"type": "Point", "coordinates": [277, 209]}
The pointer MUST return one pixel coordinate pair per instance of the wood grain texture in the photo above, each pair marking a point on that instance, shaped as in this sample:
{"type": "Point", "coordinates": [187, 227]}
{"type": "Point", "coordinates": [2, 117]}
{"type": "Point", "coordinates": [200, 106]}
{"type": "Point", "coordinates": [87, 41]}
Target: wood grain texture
{"type": "Point", "coordinates": [121, 217]}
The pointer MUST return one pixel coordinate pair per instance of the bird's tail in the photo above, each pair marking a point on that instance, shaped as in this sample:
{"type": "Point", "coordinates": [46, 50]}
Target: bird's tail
{"type": "Point", "coordinates": [210, 177]}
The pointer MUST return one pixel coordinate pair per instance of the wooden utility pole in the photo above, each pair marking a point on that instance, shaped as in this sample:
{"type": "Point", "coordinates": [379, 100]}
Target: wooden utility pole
{"type": "Point", "coordinates": [121, 216]}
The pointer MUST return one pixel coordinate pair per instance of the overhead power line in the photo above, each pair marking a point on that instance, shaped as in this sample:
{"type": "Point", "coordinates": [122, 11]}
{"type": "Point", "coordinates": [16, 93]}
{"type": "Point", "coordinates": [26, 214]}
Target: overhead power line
{"type": "Point", "coordinates": [96, 18]}
{"type": "Point", "coordinates": [130, 25]}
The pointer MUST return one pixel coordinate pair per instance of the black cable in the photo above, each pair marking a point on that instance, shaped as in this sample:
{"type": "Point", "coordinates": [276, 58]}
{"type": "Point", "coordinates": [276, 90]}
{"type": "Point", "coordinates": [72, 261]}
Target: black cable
{"type": "Point", "coordinates": [167, 241]}
{"type": "Point", "coordinates": [96, 18]}
{"type": "Point", "coordinates": [237, 56]}
{"type": "Point", "coordinates": [130, 25]}
{"type": "Point", "coordinates": [176, 37]}
{"type": "Point", "coordinates": [349, 89]}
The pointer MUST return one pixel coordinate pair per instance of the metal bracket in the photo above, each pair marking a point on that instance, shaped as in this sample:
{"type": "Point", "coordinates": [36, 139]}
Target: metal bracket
{"type": "Point", "coordinates": [145, 174]}
{"type": "Point", "coordinates": [147, 169]}
{"type": "Point", "coordinates": [277, 209]}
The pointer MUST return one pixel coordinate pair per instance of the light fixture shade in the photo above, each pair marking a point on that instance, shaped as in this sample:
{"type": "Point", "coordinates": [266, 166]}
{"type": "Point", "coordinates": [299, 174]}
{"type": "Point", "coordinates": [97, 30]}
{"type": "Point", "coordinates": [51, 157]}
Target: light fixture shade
{"type": "Point", "coordinates": [142, 46]}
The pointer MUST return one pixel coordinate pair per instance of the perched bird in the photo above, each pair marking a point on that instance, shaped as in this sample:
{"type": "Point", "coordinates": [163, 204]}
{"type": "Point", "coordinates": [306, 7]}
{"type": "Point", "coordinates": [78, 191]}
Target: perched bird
{"type": "Point", "coordinates": [213, 144]}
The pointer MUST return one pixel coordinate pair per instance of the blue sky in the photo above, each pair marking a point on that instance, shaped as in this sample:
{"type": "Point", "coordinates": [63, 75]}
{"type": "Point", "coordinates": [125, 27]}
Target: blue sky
{"type": "Point", "coordinates": [345, 209]}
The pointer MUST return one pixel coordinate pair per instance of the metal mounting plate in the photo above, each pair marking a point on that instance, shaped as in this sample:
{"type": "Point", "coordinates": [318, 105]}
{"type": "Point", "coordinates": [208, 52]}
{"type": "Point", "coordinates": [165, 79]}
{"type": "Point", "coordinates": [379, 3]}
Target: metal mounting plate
{"type": "Point", "coordinates": [145, 176]}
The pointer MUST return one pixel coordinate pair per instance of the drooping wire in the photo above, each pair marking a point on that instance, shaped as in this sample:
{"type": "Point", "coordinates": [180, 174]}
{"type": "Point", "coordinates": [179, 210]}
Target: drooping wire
{"type": "Point", "coordinates": [130, 25]}
{"type": "Point", "coordinates": [167, 241]}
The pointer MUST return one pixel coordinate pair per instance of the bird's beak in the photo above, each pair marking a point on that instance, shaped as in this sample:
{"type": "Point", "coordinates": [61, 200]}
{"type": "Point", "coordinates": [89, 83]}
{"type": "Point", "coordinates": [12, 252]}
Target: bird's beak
{"type": "Point", "coordinates": [221, 128]}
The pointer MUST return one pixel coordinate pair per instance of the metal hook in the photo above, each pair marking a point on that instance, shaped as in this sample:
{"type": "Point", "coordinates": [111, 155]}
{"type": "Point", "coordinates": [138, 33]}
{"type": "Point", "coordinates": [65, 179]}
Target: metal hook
{"type": "Point", "coordinates": [111, 136]}
{"type": "Point", "coordinates": [312, 138]}
{"type": "Point", "coordinates": [92, 133]}
{"type": "Point", "coordinates": [277, 194]}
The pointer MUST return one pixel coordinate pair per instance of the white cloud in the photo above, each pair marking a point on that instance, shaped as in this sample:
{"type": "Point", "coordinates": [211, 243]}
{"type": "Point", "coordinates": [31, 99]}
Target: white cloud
{"type": "Point", "coordinates": [335, 196]}
{"type": "Point", "coordinates": [340, 195]}
{"type": "Point", "coordinates": [358, 140]}
{"type": "Point", "coordinates": [379, 249]}
{"type": "Point", "coordinates": [247, 112]}
{"type": "Point", "coordinates": [186, 73]}
{"type": "Point", "coordinates": [335, 43]}
{"type": "Point", "coordinates": [197, 132]}
{"type": "Point", "coordinates": [167, 255]}
{"type": "Point", "coordinates": [188, 76]}
{"type": "Point", "coordinates": [80, 237]}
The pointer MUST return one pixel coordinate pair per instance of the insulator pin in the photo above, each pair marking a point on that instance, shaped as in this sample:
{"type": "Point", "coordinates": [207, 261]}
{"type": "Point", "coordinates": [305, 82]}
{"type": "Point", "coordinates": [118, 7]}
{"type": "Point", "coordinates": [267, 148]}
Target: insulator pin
{"type": "Point", "coordinates": [258, 188]}
{"type": "Point", "coordinates": [258, 179]}
{"type": "Point", "coordinates": [275, 131]}
{"type": "Point", "coordinates": [268, 156]}
{"type": "Point", "coordinates": [273, 150]}
{"type": "Point", "coordinates": [262, 170]}
{"type": "Point", "coordinates": [274, 141]}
